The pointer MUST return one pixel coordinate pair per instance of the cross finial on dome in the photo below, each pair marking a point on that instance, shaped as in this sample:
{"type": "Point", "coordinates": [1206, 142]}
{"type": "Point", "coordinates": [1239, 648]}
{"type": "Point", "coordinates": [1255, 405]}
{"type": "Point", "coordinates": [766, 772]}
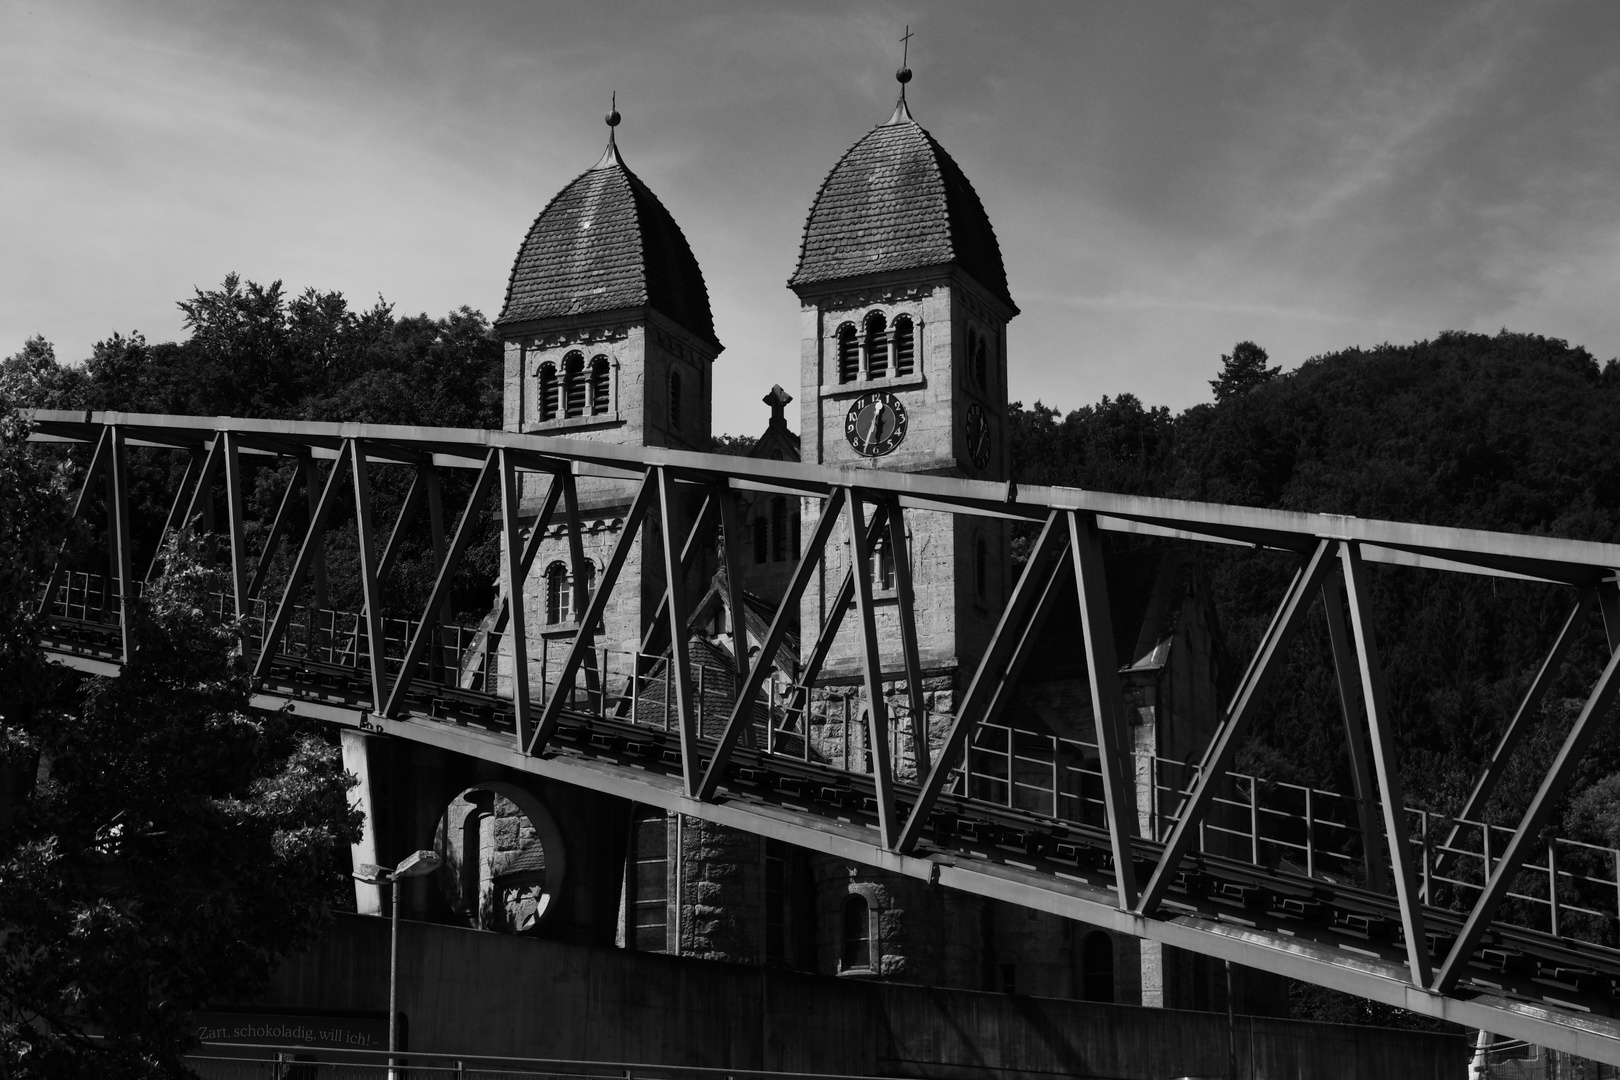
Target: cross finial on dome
{"type": "Point", "coordinates": [903, 76]}
{"type": "Point", "coordinates": [610, 156]}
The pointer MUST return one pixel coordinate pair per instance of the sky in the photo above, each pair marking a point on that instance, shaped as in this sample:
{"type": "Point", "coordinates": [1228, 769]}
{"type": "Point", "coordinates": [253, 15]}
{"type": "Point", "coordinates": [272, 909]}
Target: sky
{"type": "Point", "coordinates": [1165, 179]}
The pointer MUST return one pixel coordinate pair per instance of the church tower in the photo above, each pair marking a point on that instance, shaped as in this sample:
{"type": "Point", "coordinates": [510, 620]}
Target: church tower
{"type": "Point", "coordinates": [608, 336]}
{"type": "Point", "coordinates": [903, 313]}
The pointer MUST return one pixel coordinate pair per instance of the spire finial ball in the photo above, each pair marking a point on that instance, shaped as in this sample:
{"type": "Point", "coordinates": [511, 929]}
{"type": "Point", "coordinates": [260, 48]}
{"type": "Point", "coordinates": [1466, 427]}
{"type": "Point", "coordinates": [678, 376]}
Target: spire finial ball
{"type": "Point", "coordinates": [903, 76]}
{"type": "Point", "coordinates": [612, 118]}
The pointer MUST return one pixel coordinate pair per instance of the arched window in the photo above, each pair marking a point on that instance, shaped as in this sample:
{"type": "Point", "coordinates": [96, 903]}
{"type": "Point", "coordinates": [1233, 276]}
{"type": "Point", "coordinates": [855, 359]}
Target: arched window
{"type": "Point", "coordinates": [600, 384]}
{"type": "Point", "coordinates": [877, 346]}
{"type": "Point", "coordinates": [1097, 967]}
{"type": "Point", "coordinates": [883, 565]}
{"type": "Point", "coordinates": [762, 540]}
{"type": "Point", "coordinates": [549, 391]}
{"type": "Point", "coordinates": [849, 355]}
{"type": "Point", "coordinates": [857, 934]}
{"type": "Point", "coordinates": [559, 595]}
{"type": "Point", "coordinates": [981, 566]}
{"type": "Point", "coordinates": [905, 346]}
{"type": "Point", "coordinates": [574, 384]}
{"type": "Point", "coordinates": [779, 529]}
{"type": "Point", "coordinates": [560, 591]}
{"type": "Point", "coordinates": [675, 400]}
{"type": "Point", "coordinates": [976, 364]}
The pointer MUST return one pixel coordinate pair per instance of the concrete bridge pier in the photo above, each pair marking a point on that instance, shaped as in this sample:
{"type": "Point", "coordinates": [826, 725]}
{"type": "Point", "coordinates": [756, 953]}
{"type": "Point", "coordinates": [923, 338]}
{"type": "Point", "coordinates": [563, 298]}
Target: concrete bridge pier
{"type": "Point", "coordinates": [552, 853]}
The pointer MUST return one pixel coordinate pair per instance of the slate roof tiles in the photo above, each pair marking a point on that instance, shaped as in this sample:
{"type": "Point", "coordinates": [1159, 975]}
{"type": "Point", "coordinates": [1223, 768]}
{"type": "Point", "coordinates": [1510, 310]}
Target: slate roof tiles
{"type": "Point", "coordinates": [606, 242]}
{"type": "Point", "coordinates": [896, 201]}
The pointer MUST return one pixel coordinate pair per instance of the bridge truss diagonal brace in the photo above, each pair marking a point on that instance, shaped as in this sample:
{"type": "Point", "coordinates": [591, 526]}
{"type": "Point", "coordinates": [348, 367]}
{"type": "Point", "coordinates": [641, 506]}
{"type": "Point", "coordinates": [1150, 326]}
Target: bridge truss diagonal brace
{"type": "Point", "coordinates": [678, 608]}
{"type": "Point", "coordinates": [1347, 677]}
{"type": "Point", "coordinates": [905, 608]}
{"type": "Point", "coordinates": [98, 469]}
{"type": "Point", "coordinates": [309, 553]}
{"type": "Point", "coordinates": [784, 619]}
{"type": "Point", "coordinates": [1107, 703]}
{"type": "Point", "coordinates": [440, 594]}
{"type": "Point", "coordinates": [652, 641]}
{"type": "Point", "coordinates": [195, 463]}
{"type": "Point", "coordinates": [877, 713]}
{"type": "Point", "coordinates": [580, 647]}
{"type": "Point", "coordinates": [990, 675]}
{"type": "Point", "coordinates": [1392, 798]}
{"type": "Point", "coordinates": [1528, 835]}
{"type": "Point", "coordinates": [842, 599]}
{"type": "Point", "coordinates": [1223, 748]}
{"type": "Point", "coordinates": [279, 527]}
{"type": "Point", "coordinates": [1479, 796]}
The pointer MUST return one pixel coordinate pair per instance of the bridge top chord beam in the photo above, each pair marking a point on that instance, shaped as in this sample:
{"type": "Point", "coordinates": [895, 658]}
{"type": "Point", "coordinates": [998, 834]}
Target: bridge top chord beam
{"type": "Point", "coordinates": [1575, 562]}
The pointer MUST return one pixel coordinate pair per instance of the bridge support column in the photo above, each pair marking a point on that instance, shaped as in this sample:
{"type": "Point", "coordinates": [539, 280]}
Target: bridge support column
{"type": "Point", "coordinates": [357, 762]}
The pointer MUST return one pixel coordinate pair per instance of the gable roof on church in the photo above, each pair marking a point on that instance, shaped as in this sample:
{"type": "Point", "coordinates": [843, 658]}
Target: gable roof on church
{"type": "Point", "coordinates": [897, 201]}
{"type": "Point", "coordinates": [606, 243]}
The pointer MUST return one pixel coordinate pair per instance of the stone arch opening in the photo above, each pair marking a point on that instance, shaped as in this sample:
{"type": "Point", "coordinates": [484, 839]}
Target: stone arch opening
{"type": "Point", "coordinates": [504, 861]}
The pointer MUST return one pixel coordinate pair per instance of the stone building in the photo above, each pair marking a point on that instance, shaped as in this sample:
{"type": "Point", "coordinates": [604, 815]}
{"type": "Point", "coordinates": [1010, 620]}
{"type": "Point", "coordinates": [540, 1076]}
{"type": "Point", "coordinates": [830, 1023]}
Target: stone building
{"type": "Point", "coordinates": [904, 308]}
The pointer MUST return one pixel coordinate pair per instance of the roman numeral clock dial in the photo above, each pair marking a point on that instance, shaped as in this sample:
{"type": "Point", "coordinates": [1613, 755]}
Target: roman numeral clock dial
{"type": "Point", "coordinates": [876, 424]}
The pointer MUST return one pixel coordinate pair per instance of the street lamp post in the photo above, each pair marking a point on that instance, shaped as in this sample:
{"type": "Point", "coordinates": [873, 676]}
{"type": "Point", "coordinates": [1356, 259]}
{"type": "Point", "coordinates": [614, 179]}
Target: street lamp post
{"type": "Point", "coordinates": [415, 864]}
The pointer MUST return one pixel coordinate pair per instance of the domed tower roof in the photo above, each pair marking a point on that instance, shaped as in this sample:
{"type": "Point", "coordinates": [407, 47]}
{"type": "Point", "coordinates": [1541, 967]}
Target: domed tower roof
{"type": "Point", "coordinates": [605, 243]}
{"type": "Point", "coordinates": [896, 201]}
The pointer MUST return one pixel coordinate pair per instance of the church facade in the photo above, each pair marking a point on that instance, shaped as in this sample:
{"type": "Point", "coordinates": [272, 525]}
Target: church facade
{"type": "Point", "coordinates": [904, 359]}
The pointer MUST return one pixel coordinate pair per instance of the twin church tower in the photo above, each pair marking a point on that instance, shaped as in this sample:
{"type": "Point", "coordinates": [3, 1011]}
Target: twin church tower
{"type": "Point", "coordinates": [904, 307]}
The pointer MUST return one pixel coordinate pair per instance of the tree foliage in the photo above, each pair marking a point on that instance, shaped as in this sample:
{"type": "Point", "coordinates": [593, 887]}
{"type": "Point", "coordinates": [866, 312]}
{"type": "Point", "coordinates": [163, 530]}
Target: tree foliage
{"type": "Point", "coordinates": [162, 844]}
{"type": "Point", "coordinates": [1510, 432]}
{"type": "Point", "coordinates": [1243, 369]}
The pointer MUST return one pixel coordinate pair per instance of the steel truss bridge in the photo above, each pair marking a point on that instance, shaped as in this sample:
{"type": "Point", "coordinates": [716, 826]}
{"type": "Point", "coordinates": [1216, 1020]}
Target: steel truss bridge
{"type": "Point", "coordinates": [1489, 927]}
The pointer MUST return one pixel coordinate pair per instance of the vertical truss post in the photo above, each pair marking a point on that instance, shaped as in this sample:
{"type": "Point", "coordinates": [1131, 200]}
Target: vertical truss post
{"type": "Point", "coordinates": [512, 584]}
{"type": "Point", "coordinates": [439, 597]}
{"type": "Point", "coordinates": [905, 610]}
{"type": "Point", "coordinates": [877, 715]}
{"type": "Point", "coordinates": [1107, 703]}
{"type": "Point", "coordinates": [1344, 665]}
{"type": "Point", "coordinates": [987, 676]}
{"type": "Point", "coordinates": [787, 613]}
{"type": "Point", "coordinates": [1535, 818]}
{"type": "Point", "coordinates": [679, 656]}
{"type": "Point", "coordinates": [370, 590]}
{"type": "Point", "coordinates": [308, 553]}
{"type": "Point", "coordinates": [1480, 796]}
{"type": "Point", "coordinates": [1389, 777]}
{"type": "Point", "coordinates": [236, 522]}
{"type": "Point", "coordinates": [182, 495]}
{"type": "Point", "coordinates": [122, 557]}
{"type": "Point", "coordinates": [1218, 758]}
{"type": "Point", "coordinates": [551, 713]}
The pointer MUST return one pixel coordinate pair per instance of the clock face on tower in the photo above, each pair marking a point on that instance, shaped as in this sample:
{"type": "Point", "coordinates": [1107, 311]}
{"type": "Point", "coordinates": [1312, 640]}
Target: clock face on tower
{"type": "Point", "coordinates": [978, 435]}
{"type": "Point", "coordinates": [876, 424]}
